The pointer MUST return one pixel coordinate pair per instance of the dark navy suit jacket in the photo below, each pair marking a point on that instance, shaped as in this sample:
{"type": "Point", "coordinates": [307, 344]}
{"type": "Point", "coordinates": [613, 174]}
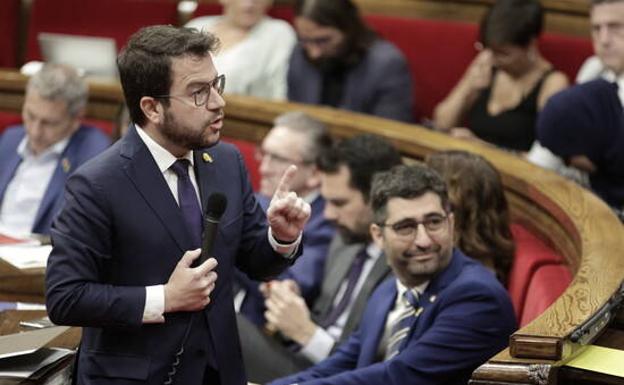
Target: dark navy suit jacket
{"type": "Point", "coordinates": [84, 144]}
{"type": "Point", "coordinates": [307, 272]}
{"type": "Point", "coordinates": [379, 85]}
{"type": "Point", "coordinates": [467, 318]}
{"type": "Point", "coordinates": [121, 230]}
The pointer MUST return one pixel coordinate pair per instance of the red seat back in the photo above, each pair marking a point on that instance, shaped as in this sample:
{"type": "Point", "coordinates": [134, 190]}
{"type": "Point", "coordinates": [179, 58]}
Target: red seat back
{"type": "Point", "coordinates": [9, 36]}
{"type": "Point", "coordinates": [531, 254]}
{"type": "Point", "coordinates": [117, 19]}
{"type": "Point", "coordinates": [8, 119]}
{"type": "Point", "coordinates": [547, 284]}
{"type": "Point", "coordinates": [248, 150]}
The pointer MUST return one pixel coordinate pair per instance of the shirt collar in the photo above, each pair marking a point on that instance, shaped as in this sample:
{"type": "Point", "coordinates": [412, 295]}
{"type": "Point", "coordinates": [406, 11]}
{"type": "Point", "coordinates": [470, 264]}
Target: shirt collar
{"type": "Point", "coordinates": [401, 289]}
{"type": "Point", "coordinates": [56, 149]}
{"type": "Point", "coordinates": [164, 159]}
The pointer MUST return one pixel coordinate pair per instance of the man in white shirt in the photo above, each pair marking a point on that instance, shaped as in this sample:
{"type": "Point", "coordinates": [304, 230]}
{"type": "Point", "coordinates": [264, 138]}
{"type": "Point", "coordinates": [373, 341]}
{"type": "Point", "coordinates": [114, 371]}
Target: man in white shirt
{"type": "Point", "coordinates": [354, 267]}
{"type": "Point", "coordinates": [37, 157]}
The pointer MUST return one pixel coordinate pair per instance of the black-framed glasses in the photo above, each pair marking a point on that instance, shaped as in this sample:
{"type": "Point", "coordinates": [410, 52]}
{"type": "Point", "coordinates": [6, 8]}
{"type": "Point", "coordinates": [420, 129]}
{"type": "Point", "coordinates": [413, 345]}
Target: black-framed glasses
{"type": "Point", "coordinates": [202, 95]}
{"type": "Point", "coordinates": [261, 154]}
{"type": "Point", "coordinates": [409, 227]}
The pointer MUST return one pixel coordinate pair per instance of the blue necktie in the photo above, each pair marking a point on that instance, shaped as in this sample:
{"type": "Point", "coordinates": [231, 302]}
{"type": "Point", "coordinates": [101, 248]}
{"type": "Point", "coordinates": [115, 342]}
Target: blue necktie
{"type": "Point", "coordinates": [352, 279]}
{"type": "Point", "coordinates": [187, 199]}
{"type": "Point", "coordinates": [401, 326]}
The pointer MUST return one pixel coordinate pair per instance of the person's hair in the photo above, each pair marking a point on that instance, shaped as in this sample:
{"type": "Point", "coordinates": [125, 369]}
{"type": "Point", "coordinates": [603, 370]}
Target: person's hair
{"type": "Point", "coordinates": [342, 15]}
{"type": "Point", "coordinates": [61, 82]}
{"type": "Point", "coordinates": [317, 135]}
{"type": "Point", "coordinates": [145, 62]}
{"type": "Point", "coordinates": [406, 182]}
{"type": "Point", "coordinates": [482, 219]}
{"type": "Point", "coordinates": [514, 22]}
{"type": "Point", "coordinates": [593, 3]}
{"type": "Point", "coordinates": [363, 155]}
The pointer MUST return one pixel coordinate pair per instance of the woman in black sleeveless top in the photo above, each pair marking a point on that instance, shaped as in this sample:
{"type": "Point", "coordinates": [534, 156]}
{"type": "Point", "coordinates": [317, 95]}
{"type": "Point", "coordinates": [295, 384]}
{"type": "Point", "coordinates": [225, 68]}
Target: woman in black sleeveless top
{"type": "Point", "coordinates": [507, 83]}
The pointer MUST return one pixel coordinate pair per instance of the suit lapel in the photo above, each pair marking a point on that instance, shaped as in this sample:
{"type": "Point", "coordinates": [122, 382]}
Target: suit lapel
{"type": "Point", "coordinates": [7, 173]}
{"type": "Point", "coordinates": [144, 174]}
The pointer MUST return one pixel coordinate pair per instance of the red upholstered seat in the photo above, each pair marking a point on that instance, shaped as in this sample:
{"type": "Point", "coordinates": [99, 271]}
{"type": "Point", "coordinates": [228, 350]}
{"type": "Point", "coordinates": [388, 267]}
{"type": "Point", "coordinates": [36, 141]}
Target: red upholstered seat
{"type": "Point", "coordinates": [111, 18]}
{"type": "Point", "coordinates": [9, 18]}
{"type": "Point", "coordinates": [248, 150]}
{"type": "Point", "coordinates": [547, 284]}
{"type": "Point", "coordinates": [531, 254]}
{"type": "Point", "coordinates": [439, 52]}
{"type": "Point", "coordinates": [8, 119]}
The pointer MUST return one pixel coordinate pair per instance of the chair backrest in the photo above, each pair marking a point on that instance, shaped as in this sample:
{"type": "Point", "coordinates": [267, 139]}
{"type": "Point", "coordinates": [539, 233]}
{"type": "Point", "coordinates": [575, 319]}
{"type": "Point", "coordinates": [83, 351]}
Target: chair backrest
{"type": "Point", "coordinates": [248, 151]}
{"type": "Point", "coordinates": [111, 18]}
{"type": "Point", "coordinates": [546, 285]}
{"type": "Point", "coordinates": [9, 32]}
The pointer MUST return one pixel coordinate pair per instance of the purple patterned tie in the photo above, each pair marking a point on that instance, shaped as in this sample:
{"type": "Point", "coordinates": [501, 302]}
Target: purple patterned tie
{"type": "Point", "coordinates": [187, 199]}
{"type": "Point", "coordinates": [352, 279]}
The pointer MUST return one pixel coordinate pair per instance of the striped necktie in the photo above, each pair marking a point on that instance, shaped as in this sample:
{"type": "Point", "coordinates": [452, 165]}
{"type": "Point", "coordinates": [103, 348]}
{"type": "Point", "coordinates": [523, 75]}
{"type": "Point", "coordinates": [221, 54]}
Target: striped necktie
{"type": "Point", "coordinates": [401, 326]}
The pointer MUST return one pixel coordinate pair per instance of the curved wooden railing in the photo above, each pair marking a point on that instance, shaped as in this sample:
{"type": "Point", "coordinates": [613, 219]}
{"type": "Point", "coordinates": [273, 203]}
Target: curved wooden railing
{"type": "Point", "coordinates": [570, 219]}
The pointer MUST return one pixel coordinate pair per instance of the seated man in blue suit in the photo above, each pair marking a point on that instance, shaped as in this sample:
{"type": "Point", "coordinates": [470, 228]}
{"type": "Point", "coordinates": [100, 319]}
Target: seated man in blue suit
{"type": "Point", "coordinates": [296, 138]}
{"type": "Point", "coordinates": [126, 260]}
{"type": "Point", "coordinates": [340, 62]}
{"type": "Point", "coordinates": [444, 313]}
{"type": "Point", "coordinates": [37, 157]}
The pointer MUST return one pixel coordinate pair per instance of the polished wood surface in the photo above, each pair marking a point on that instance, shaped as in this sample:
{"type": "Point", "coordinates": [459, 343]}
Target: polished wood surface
{"type": "Point", "coordinates": [572, 220]}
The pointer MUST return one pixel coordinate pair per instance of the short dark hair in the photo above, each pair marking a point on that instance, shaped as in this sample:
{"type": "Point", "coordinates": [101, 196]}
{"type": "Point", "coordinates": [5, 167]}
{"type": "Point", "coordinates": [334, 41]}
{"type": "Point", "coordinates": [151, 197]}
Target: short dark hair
{"type": "Point", "coordinates": [317, 135]}
{"type": "Point", "coordinates": [514, 22]}
{"type": "Point", "coordinates": [145, 62]}
{"type": "Point", "coordinates": [363, 155]}
{"type": "Point", "coordinates": [342, 15]}
{"type": "Point", "coordinates": [407, 182]}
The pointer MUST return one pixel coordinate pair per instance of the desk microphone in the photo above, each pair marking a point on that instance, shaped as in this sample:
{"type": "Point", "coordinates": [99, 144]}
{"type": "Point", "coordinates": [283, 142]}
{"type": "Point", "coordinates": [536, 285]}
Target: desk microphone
{"type": "Point", "coordinates": [215, 207]}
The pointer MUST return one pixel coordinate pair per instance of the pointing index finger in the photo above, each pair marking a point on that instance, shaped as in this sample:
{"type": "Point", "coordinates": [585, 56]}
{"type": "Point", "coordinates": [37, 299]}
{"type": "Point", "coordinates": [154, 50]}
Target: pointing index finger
{"type": "Point", "coordinates": [283, 187]}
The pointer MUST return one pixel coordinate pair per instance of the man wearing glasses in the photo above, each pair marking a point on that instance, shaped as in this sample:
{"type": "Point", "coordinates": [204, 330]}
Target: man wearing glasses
{"type": "Point", "coordinates": [296, 138]}
{"type": "Point", "coordinates": [125, 264]}
{"type": "Point", "coordinates": [442, 316]}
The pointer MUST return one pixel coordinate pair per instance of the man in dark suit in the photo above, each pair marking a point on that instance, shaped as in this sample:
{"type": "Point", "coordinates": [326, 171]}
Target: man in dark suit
{"type": "Point", "coordinates": [37, 157]}
{"type": "Point", "coordinates": [126, 245]}
{"type": "Point", "coordinates": [444, 313]}
{"type": "Point", "coordinates": [354, 267]}
{"type": "Point", "coordinates": [296, 138]}
{"type": "Point", "coordinates": [342, 63]}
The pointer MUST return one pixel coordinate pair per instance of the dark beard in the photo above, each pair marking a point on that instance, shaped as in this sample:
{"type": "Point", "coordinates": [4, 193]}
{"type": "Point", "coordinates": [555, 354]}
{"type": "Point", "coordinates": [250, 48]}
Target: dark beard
{"type": "Point", "coordinates": [183, 136]}
{"type": "Point", "coordinates": [350, 237]}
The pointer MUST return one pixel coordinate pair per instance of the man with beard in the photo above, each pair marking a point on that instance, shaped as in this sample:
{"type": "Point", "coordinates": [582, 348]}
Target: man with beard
{"type": "Point", "coordinates": [442, 316]}
{"type": "Point", "coordinates": [353, 268]}
{"type": "Point", "coordinates": [342, 63]}
{"type": "Point", "coordinates": [125, 264]}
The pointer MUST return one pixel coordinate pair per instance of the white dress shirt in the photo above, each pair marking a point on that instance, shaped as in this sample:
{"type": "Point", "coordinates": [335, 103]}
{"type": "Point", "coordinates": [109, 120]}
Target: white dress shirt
{"type": "Point", "coordinates": [323, 340]}
{"type": "Point", "coordinates": [27, 188]}
{"type": "Point", "coordinates": [155, 295]}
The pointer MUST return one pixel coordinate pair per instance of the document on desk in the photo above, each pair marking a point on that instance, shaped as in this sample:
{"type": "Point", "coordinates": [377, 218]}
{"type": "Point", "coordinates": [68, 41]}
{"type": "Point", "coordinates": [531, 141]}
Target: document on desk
{"type": "Point", "coordinates": [33, 365]}
{"type": "Point", "coordinates": [599, 359]}
{"type": "Point", "coordinates": [17, 344]}
{"type": "Point", "coordinates": [25, 256]}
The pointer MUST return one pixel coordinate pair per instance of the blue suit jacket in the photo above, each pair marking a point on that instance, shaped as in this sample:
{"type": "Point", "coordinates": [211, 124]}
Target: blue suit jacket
{"type": "Point", "coordinates": [307, 272]}
{"type": "Point", "coordinates": [121, 230]}
{"type": "Point", "coordinates": [84, 144]}
{"type": "Point", "coordinates": [467, 318]}
{"type": "Point", "coordinates": [379, 85]}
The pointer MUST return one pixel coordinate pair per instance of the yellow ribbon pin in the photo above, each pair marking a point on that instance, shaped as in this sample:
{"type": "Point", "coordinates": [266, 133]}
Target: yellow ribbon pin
{"type": "Point", "coordinates": [65, 165]}
{"type": "Point", "coordinates": [206, 157]}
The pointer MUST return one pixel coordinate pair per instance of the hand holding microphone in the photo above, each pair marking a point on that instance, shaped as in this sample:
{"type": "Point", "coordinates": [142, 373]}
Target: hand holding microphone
{"type": "Point", "coordinates": [189, 288]}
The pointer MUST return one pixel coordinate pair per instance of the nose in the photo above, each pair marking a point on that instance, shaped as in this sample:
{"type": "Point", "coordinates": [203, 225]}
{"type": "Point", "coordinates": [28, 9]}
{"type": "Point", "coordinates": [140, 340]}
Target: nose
{"type": "Point", "coordinates": [215, 101]}
{"type": "Point", "coordinates": [422, 239]}
{"type": "Point", "coordinates": [602, 34]}
{"type": "Point", "coordinates": [264, 165]}
{"type": "Point", "coordinates": [329, 212]}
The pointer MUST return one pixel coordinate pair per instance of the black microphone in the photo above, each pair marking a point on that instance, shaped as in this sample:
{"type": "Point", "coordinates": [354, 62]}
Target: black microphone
{"type": "Point", "coordinates": [215, 207]}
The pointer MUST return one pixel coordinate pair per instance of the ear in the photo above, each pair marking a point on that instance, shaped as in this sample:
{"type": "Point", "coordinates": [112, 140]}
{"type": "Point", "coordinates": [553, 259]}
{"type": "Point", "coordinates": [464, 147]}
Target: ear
{"type": "Point", "coordinates": [152, 109]}
{"type": "Point", "coordinates": [377, 235]}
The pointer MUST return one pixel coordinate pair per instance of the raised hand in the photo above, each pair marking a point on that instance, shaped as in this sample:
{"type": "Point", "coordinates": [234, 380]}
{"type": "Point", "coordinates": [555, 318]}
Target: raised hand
{"type": "Point", "coordinates": [287, 213]}
{"type": "Point", "coordinates": [189, 288]}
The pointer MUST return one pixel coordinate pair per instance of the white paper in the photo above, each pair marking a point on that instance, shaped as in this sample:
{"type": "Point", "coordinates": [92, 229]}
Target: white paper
{"type": "Point", "coordinates": [26, 256]}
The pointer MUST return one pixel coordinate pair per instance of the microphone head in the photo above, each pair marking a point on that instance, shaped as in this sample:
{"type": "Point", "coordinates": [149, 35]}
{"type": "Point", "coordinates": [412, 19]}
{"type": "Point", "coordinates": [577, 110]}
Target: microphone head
{"type": "Point", "coordinates": [216, 205]}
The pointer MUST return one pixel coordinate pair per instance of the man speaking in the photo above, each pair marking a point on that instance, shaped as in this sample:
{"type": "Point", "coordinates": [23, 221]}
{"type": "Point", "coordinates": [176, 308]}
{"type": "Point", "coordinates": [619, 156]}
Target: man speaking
{"type": "Point", "coordinates": [125, 261]}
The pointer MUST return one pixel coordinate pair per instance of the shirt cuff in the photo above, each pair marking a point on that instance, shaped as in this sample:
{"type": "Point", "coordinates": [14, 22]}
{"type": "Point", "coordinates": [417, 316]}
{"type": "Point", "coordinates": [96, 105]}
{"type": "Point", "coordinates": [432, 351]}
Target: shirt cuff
{"type": "Point", "coordinates": [286, 249]}
{"type": "Point", "coordinates": [319, 346]}
{"type": "Point", "coordinates": [154, 304]}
